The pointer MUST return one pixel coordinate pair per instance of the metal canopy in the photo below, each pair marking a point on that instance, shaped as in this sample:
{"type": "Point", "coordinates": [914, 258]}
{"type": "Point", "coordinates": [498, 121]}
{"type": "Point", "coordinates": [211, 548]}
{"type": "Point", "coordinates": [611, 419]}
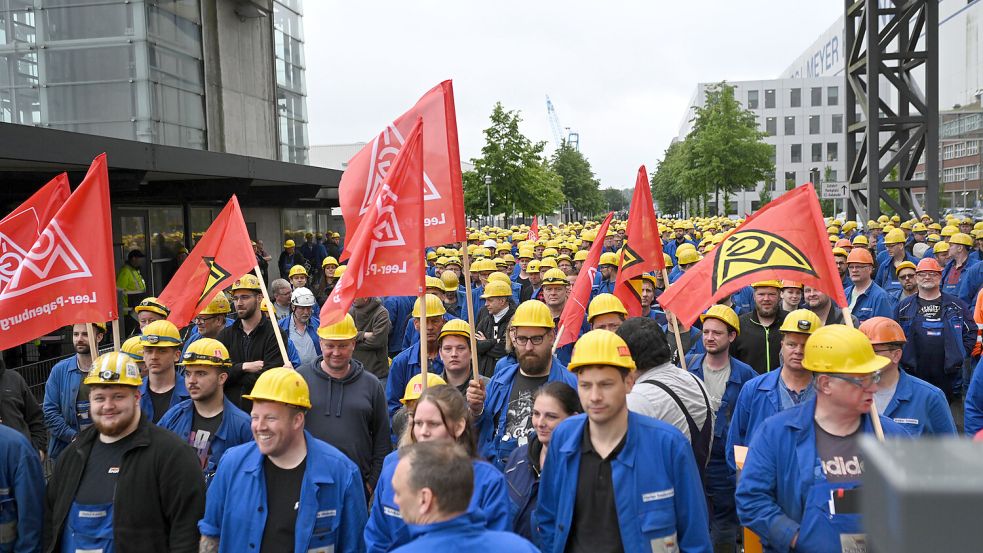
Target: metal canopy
{"type": "Point", "coordinates": [892, 124]}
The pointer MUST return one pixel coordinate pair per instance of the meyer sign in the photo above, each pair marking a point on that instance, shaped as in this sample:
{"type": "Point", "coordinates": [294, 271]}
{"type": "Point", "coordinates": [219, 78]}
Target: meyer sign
{"type": "Point", "coordinates": [834, 190]}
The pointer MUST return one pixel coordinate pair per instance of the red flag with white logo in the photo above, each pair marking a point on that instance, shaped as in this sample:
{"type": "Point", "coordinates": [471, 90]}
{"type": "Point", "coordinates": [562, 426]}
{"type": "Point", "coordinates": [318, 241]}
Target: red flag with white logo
{"type": "Point", "coordinates": [223, 254]}
{"type": "Point", "coordinates": [22, 227]}
{"type": "Point", "coordinates": [534, 229]}
{"type": "Point", "coordinates": [443, 191]}
{"type": "Point", "coordinates": [387, 249]}
{"type": "Point", "coordinates": [642, 251]}
{"type": "Point", "coordinates": [66, 276]}
{"type": "Point", "coordinates": [572, 317]}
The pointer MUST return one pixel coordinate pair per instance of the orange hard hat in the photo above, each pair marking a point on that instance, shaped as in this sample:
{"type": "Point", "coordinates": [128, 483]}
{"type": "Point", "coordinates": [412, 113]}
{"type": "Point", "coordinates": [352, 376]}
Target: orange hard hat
{"type": "Point", "coordinates": [861, 256]}
{"type": "Point", "coordinates": [844, 243]}
{"type": "Point", "coordinates": [928, 264]}
{"type": "Point", "coordinates": [882, 330]}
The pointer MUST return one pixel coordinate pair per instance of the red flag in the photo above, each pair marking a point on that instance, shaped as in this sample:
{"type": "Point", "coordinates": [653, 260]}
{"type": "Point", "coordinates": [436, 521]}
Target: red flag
{"type": "Point", "coordinates": [22, 227]}
{"type": "Point", "coordinates": [534, 229]}
{"type": "Point", "coordinates": [223, 254]}
{"type": "Point", "coordinates": [388, 247]}
{"type": "Point", "coordinates": [642, 251]}
{"type": "Point", "coordinates": [444, 193]}
{"type": "Point", "coordinates": [572, 317]}
{"type": "Point", "coordinates": [67, 275]}
{"type": "Point", "coordinates": [785, 240]}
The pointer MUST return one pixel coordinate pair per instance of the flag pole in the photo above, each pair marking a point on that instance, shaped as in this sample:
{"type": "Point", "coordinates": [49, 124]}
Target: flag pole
{"type": "Point", "coordinates": [116, 334]}
{"type": "Point", "coordinates": [675, 326]}
{"type": "Point", "coordinates": [875, 418]}
{"type": "Point", "coordinates": [90, 329]}
{"type": "Point", "coordinates": [557, 339]}
{"type": "Point", "coordinates": [424, 367]}
{"type": "Point", "coordinates": [272, 312]}
{"type": "Point", "coordinates": [470, 307]}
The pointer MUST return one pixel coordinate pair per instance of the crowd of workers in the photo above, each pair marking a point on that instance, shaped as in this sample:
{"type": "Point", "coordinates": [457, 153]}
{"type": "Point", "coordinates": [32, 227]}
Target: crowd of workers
{"type": "Point", "coordinates": [207, 439]}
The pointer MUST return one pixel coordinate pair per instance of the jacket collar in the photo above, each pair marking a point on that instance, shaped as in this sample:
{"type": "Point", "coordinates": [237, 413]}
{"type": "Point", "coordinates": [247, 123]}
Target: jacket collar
{"type": "Point", "coordinates": [572, 442]}
{"type": "Point", "coordinates": [312, 471]}
{"type": "Point", "coordinates": [456, 525]}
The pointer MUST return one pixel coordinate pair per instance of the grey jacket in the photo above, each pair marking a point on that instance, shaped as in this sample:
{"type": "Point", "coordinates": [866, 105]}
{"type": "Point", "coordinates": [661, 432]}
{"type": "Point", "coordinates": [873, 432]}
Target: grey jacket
{"type": "Point", "coordinates": [373, 352]}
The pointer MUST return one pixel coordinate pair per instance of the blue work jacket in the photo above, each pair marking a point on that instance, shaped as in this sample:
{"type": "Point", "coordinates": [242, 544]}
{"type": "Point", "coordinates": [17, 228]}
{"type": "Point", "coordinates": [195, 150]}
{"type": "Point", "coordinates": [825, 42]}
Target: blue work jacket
{"type": "Point", "coordinates": [193, 334]}
{"type": "Point", "coordinates": [743, 300]}
{"type": "Point", "coordinates": [740, 373]}
{"type": "Point", "coordinates": [312, 325]}
{"type": "Point", "coordinates": [949, 267]}
{"type": "Point", "coordinates": [331, 512]}
{"type": "Point", "coordinates": [919, 407]}
{"type": "Point", "coordinates": [970, 283]}
{"type": "Point", "coordinates": [179, 394]}
{"type": "Point", "coordinates": [657, 488]}
{"type": "Point", "coordinates": [60, 412]}
{"type": "Point", "coordinates": [386, 530]}
{"type": "Point", "coordinates": [400, 309]}
{"type": "Point", "coordinates": [874, 302]}
{"type": "Point", "coordinates": [412, 336]}
{"type": "Point", "coordinates": [887, 275]}
{"type": "Point", "coordinates": [781, 466]}
{"type": "Point", "coordinates": [234, 430]}
{"type": "Point", "coordinates": [493, 444]}
{"type": "Point", "coordinates": [466, 532]}
{"type": "Point", "coordinates": [958, 332]}
{"type": "Point", "coordinates": [405, 366]}
{"type": "Point", "coordinates": [21, 494]}
{"type": "Point", "coordinates": [973, 422]}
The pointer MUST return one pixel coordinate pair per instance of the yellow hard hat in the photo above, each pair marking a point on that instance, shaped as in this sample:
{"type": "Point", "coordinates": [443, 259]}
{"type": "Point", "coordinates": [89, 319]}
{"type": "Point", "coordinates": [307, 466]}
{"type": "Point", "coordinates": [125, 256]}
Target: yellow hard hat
{"type": "Point", "coordinates": [883, 219]}
{"type": "Point", "coordinates": [341, 330]}
{"type": "Point", "coordinates": [601, 347]}
{"type": "Point", "coordinates": [905, 265]}
{"type": "Point", "coordinates": [161, 334]}
{"type": "Point", "coordinates": [450, 281]}
{"type": "Point", "coordinates": [434, 306]}
{"type": "Point", "coordinates": [919, 227]}
{"type": "Point", "coordinates": [555, 276]}
{"type": "Point", "coordinates": [297, 270]}
{"type": "Point", "coordinates": [605, 303]}
{"type": "Point", "coordinates": [431, 255]}
{"type": "Point", "coordinates": [453, 261]}
{"type": "Point", "coordinates": [724, 314]}
{"type": "Point", "coordinates": [207, 351]}
{"type": "Point", "coordinates": [282, 385]}
{"type": "Point", "coordinates": [962, 239]}
{"type": "Point", "coordinates": [608, 258]}
{"type": "Point", "coordinates": [289, 244]}
{"type": "Point", "coordinates": [801, 321]}
{"type": "Point", "coordinates": [934, 238]}
{"type": "Point", "coordinates": [895, 236]}
{"type": "Point", "coordinates": [841, 349]}
{"type": "Point", "coordinates": [581, 255]}
{"type": "Point", "coordinates": [329, 261]}
{"type": "Point", "coordinates": [532, 313]}
{"type": "Point", "coordinates": [414, 388]}
{"type": "Point", "coordinates": [113, 369]}
{"type": "Point", "coordinates": [860, 240]}
{"type": "Point", "coordinates": [152, 305]}
{"type": "Point", "coordinates": [907, 225]}
{"type": "Point", "coordinates": [549, 262]}
{"type": "Point", "coordinates": [434, 282]}
{"type": "Point", "coordinates": [526, 253]}
{"type": "Point", "coordinates": [340, 270]}
{"type": "Point", "coordinates": [247, 282]}
{"type": "Point", "coordinates": [455, 327]}
{"type": "Point", "coordinates": [218, 306]}
{"type": "Point", "coordinates": [949, 230]}
{"type": "Point", "coordinates": [533, 266]}
{"type": "Point", "coordinates": [687, 256]}
{"type": "Point", "coordinates": [499, 276]}
{"type": "Point", "coordinates": [496, 289]}
{"type": "Point", "coordinates": [132, 348]}
{"type": "Point", "coordinates": [767, 284]}
{"type": "Point", "coordinates": [667, 259]}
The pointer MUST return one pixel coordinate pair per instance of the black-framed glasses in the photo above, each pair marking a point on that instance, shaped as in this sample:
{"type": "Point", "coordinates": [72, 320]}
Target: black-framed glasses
{"type": "Point", "coordinates": [523, 340]}
{"type": "Point", "coordinates": [908, 276]}
{"type": "Point", "coordinates": [865, 382]}
{"type": "Point", "coordinates": [205, 319]}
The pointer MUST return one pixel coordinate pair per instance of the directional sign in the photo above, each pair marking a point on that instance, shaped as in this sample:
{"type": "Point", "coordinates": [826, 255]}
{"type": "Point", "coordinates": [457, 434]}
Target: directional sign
{"type": "Point", "coordinates": [835, 190]}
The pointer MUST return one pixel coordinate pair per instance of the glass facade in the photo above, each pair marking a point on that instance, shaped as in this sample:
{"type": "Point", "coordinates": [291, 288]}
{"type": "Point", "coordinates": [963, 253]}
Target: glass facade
{"type": "Point", "coordinates": [125, 69]}
{"type": "Point", "coordinates": [291, 91]}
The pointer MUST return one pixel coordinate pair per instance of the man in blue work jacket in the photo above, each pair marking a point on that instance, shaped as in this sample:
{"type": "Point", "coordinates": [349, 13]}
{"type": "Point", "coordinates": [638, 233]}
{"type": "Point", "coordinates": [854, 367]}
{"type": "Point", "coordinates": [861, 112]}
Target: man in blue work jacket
{"type": "Point", "coordinates": [406, 365]}
{"type": "Point", "coordinates": [433, 484]}
{"type": "Point", "coordinates": [781, 389]}
{"type": "Point", "coordinates": [887, 273]}
{"type": "Point", "coordinates": [806, 458]}
{"type": "Point", "coordinates": [724, 376]}
{"type": "Point", "coordinates": [866, 298]}
{"type": "Point", "coordinates": [66, 400]}
{"type": "Point", "coordinates": [287, 491]}
{"type": "Point", "coordinates": [614, 477]}
{"type": "Point", "coordinates": [21, 493]}
{"type": "Point", "coordinates": [506, 420]}
{"type": "Point", "coordinates": [208, 421]}
{"type": "Point", "coordinates": [916, 405]}
{"type": "Point", "coordinates": [164, 387]}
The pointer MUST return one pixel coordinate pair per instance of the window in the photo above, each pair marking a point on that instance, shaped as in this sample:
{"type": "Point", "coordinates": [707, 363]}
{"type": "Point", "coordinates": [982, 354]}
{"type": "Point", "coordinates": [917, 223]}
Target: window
{"type": "Point", "coordinates": [789, 180]}
{"type": "Point", "coordinates": [817, 152]}
{"type": "Point", "coordinates": [831, 175]}
{"type": "Point", "coordinates": [960, 149]}
{"type": "Point", "coordinates": [795, 97]}
{"type": "Point", "coordinates": [774, 153]}
{"type": "Point", "coordinates": [752, 99]}
{"type": "Point", "coordinates": [769, 99]}
{"type": "Point", "coordinates": [771, 126]}
{"type": "Point", "coordinates": [816, 96]}
{"type": "Point", "coordinates": [832, 151]}
{"type": "Point", "coordinates": [832, 95]}
{"type": "Point", "coordinates": [789, 125]}
{"type": "Point", "coordinates": [813, 124]}
{"type": "Point", "coordinates": [837, 124]}
{"type": "Point", "coordinates": [796, 151]}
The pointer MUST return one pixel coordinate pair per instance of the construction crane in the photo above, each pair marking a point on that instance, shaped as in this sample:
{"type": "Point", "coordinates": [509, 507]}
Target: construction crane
{"type": "Point", "coordinates": [572, 138]}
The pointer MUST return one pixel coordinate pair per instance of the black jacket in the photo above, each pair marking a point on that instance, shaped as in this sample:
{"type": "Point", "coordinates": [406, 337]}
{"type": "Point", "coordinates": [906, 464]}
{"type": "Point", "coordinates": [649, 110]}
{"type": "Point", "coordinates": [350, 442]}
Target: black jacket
{"type": "Point", "coordinates": [490, 350]}
{"type": "Point", "coordinates": [260, 345]}
{"type": "Point", "coordinates": [757, 345]}
{"type": "Point", "coordinates": [287, 261]}
{"type": "Point", "coordinates": [19, 410]}
{"type": "Point", "coordinates": [159, 499]}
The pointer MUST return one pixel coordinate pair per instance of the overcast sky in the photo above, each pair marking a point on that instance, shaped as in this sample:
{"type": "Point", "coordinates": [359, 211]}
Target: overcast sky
{"type": "Point", "coordinates": [619, 73]}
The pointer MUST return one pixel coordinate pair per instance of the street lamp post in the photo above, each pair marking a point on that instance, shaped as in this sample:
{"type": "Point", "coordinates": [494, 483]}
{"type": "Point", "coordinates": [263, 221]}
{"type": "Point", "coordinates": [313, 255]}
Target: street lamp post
{"type": "Point", "coordinates": [488, 180]}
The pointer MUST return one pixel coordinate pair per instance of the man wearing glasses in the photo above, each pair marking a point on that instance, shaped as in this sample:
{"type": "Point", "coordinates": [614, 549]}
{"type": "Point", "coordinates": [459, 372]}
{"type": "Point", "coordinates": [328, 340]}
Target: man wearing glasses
{"type": "Point", "coordinates": [941, 333]}
{"type": "Point", "coordinates": [798, 489]}
{"type": "Point", "coordinates": [211, 320]}
{"type": "Point", "coordinates": [507, 418]}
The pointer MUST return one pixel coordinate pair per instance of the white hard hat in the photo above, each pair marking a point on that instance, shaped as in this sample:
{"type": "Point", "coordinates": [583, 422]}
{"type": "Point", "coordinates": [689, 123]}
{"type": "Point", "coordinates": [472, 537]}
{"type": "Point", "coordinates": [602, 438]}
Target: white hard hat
{"type": "Point", "coordinates": [490, 244]}
{"type": "Point", "coordinates": [302, 297]}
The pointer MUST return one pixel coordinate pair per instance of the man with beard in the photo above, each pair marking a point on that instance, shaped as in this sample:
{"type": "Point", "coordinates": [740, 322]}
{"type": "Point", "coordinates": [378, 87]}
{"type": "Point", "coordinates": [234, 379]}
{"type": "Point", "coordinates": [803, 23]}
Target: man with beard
{"type": "Point", "coordinates": [906, 276]}
{"type": "Point", "coordinates": [66, 399]}
{"type": "Point", "coordinates": [250, 341]}
{"type": "Point", "coordinates": [493, 320]}
{"type": "Point", "coordinates": [162, 389]}
{"type": "Point", "coordinates": [126, 485]}
{"type": "Point", "coordinates": [209, 421]}
{"type": "Point", "coordinates": [506, 420]}
{"type": "Point", "coordinates": [301, 326]}
{"type": "Point", "coordinates": [287, 490]}
{"type": "Point", "coordinates": [759, 341]}
{"type": "Point", "coordinates": [822, 305]}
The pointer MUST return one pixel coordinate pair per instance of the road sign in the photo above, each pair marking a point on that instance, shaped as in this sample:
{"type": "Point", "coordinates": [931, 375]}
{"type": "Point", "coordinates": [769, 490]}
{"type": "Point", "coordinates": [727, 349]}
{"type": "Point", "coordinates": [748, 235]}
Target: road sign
{"type": "Point", "coordinates": [835, 190]}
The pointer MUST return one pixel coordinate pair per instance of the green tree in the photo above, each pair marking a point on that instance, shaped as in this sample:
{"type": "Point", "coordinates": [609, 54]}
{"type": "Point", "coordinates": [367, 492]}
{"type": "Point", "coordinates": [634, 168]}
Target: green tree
{"type": "Point", "coordinates": [614, 199]}
{"type": "Point", "coordinates": [521, 180]}
{"type": "Point", "coordinates": [580, 187]}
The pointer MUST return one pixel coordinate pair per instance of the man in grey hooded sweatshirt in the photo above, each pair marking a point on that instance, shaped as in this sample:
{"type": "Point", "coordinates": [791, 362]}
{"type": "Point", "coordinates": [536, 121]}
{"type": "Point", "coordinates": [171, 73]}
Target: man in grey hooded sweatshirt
{"type": "Point", "coordinates": [348, 403]}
